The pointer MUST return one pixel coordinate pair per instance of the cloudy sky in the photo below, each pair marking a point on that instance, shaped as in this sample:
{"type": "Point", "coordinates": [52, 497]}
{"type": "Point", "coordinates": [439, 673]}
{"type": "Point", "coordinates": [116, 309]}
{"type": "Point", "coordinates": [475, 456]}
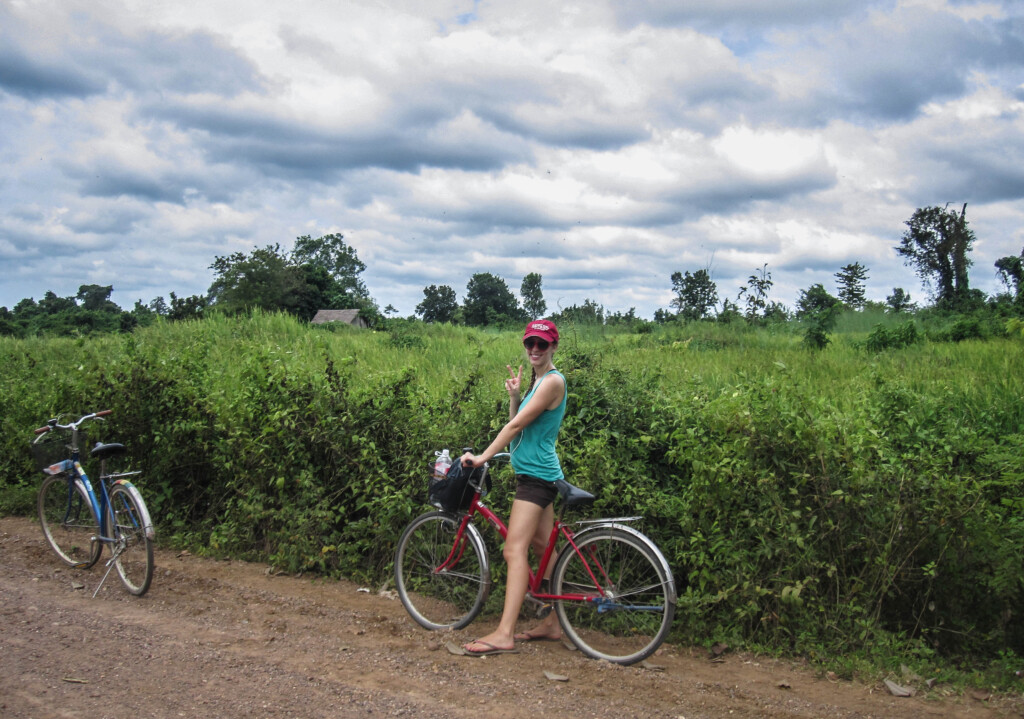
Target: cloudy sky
{"type": "Point", "coordinates": [604, 145]}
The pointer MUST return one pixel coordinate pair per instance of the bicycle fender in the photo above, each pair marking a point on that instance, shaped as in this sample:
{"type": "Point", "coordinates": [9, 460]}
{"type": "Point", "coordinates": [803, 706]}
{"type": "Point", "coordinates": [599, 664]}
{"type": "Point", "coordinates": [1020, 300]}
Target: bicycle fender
{"type": "Point", "coordinates": [640, 536]}
{"type": "Point", "coordinates": [147, 523]}
{"type": "Point", "coordinates": [476, 536]}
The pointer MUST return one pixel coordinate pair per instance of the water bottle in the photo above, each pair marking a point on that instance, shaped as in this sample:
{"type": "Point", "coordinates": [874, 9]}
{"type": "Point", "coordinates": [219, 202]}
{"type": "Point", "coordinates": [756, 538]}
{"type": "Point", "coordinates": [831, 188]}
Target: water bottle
{"type": "Point", "coordinates": [444, 461]}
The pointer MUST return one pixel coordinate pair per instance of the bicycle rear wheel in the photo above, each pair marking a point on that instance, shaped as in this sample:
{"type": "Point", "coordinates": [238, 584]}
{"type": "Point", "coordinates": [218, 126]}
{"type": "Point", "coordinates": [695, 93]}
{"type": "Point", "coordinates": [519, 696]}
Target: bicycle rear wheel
{"type": "Point", "coordinates": [443, 584]}
{"type": "Point", "coordinates": [69, 521]}
{"type": "Point", "coordinates": [626, 616]}
{"type": "Point", "coordinates": [132, 547]}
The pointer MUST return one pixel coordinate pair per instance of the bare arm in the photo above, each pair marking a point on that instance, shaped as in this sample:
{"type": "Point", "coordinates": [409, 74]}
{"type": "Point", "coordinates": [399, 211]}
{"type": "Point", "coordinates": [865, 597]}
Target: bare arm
{"type": "Point", "coordinates": [512, 386]}
{"type": "Point", "coordinates": [547, 396]}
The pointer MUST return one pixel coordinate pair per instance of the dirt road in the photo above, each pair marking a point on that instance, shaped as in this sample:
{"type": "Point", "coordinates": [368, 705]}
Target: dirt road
{"type": "Point", "coordinates": [228, 639]}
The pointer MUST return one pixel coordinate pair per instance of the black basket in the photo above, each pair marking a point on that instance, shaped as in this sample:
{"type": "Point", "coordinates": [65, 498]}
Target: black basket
{"type": "Point", "coordinates": [53, 447]}
{"type": "Point", "coordinates": [454, 491]}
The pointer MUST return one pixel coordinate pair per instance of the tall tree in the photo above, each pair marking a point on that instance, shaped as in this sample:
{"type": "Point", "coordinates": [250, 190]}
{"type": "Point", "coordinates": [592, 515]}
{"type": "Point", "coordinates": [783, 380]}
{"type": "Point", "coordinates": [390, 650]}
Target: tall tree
{"type": "Point", "coordinates": [937, 242]}
{"type": "Point", "coordinates": [439, 304]}
{"type": "Point", "coordinates": [186, 308]}
{"type": "Point", "coordinates": [489, 301]}
{"type": "Point", "coordinates": [533, 298]}
{"type": "Point", "coordinates": [341, 263]}
{"type": "Point", "coordinates": [96, 298]}
{"type": "Point", "coordinates": [1010, 271]}
{"type": "Point", "coordinates": [696, 294]}
{"type": "Point", "coordinates": [264, 279]}
{"type": "Point", "coordinates": [899, 301]}
{"type": "Point", "coordinates": [851, 285]}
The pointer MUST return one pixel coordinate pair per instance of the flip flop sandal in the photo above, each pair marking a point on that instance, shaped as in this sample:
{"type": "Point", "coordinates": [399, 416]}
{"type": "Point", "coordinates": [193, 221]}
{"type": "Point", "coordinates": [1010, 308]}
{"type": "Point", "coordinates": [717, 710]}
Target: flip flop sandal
{"type": "Point", "coordinates": [491, 649]}
{"type": "Point", "coordinates": [527, 637]}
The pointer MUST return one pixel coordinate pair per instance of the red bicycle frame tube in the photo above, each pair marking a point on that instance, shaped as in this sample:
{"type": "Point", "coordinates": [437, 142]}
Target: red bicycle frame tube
{"type": "Point", "coordinates": [458, 546]}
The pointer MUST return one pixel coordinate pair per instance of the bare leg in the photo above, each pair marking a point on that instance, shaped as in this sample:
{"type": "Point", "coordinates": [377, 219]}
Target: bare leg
{"type": "Point", "coordinates": [523, 524]}
{"type": "Point", "coordinates": [548, 628]}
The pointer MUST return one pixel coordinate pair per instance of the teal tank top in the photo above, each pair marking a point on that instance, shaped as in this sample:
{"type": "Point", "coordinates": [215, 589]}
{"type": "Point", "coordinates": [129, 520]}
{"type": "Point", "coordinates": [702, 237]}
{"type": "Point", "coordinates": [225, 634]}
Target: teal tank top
{"type": "Point", "coordinates": [533, 450]}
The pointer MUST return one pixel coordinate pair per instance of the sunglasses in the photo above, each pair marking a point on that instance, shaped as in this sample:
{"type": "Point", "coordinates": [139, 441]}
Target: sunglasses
{"type": "Point", "coordinates": [531, 342]}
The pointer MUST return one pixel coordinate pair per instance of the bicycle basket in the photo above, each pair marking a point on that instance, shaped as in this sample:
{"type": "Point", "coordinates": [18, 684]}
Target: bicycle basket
{"type": "Point", "coordinates": [53, 447]}
{"type": "Point", "coordinates": [453, 492]}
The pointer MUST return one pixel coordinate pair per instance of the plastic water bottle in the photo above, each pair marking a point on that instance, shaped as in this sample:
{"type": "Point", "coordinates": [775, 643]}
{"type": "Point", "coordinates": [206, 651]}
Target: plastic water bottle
{"type": "Point", "coordinates": [444, 461]}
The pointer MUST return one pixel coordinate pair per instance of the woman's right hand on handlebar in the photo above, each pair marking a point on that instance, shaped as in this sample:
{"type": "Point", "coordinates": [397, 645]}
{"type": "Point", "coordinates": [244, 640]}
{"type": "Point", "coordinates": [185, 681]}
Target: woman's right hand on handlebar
{"type": "Point", "coordinates": [472, 460]}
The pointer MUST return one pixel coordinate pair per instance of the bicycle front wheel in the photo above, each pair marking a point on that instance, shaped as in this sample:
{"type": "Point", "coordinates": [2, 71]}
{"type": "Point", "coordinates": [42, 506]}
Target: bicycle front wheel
{"type": "Point", "coordinates": [442, 579]}
{"type": "Point", "coordinates": [69, 521]}
{"type": "Point", "coordinates": [132, 547]}
{"type": "Point", "coordinates": [626, 596]}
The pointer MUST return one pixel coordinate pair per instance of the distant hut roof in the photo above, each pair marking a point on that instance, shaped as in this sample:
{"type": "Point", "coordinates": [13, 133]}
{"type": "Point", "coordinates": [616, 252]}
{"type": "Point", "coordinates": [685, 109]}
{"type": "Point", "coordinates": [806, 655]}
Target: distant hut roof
{"type": "Point", "coordinates": [349, 317]}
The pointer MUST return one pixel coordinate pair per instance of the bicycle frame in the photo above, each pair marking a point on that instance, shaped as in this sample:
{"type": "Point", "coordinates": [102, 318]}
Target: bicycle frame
{"type": "Point", "coordinates": [593, 566]}
{"type": "Point", "coordinates": [101, 501]}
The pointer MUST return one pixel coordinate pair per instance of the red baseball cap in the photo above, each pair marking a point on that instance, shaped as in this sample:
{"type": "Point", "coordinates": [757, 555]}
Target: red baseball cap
{"type": "Point", "coordinates": [545, 329]}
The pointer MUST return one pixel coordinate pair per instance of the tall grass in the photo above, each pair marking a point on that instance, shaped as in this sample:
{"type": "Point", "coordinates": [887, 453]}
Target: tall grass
{"type": "Point", "coordinates": [808, 501]}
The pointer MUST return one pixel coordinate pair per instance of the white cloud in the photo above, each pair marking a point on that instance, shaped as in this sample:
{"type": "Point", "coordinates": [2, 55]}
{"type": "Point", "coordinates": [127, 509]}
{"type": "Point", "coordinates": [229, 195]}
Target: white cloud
{"type": "Point", "coordinates": [605, 146]}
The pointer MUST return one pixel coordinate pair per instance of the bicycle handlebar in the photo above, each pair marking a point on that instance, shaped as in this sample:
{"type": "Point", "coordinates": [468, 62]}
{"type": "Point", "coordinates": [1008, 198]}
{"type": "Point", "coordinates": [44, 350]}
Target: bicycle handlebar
{"type": "Point", "coordinates": [502, 456]}
{"type": "Point", "coordinates": [52, 424]}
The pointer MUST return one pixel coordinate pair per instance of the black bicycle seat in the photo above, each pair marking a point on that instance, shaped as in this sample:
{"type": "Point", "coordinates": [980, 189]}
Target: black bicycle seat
{"type": "Point", "coordinates": [102, 451]}
{"type": "Point", "coordinates": [573, 496]}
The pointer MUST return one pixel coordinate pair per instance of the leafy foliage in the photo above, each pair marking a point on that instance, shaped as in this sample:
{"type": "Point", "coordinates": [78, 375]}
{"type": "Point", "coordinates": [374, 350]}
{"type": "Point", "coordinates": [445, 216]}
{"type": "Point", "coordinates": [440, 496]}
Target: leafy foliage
{"type": "Point", "coordinates": [696, 294]}
{"type": "Point", "coordinates": [883, 338]}
{"type": "Point", "coordinates": [850, 279]}
{"type": "Point", "coordinates": [489, 301]}
{"type": "Point", "coordinates": [320, 273]}
{"type": "Point", "coordinates": [533, 297]}
{"type": "Point", "coordinates": [1010, 271]}
{"type": "Point", "coordinates": [89, 312]}
{"type": "Point", "coordinates": [937, 243]}
{"type": "Point", "coordinates": [439, 304]}
{"type": "Point", "coordinates": [755, 295]}
{"type": "Point", "coordinates": [807, 503]}
{"type": "Point", "coordinates": [899, 301]}
{"type": "Point", "coordinates": [819, 310]}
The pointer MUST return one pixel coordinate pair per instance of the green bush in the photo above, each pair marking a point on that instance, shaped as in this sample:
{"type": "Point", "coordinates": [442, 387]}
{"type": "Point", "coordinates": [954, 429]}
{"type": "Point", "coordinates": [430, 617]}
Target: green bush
{"type": "Point", "coordinates": [808, 502]}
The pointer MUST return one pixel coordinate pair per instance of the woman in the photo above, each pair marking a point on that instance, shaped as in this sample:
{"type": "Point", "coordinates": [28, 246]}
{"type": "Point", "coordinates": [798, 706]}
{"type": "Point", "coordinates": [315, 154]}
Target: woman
{"type": "Point", "coordinates": [530, 435]}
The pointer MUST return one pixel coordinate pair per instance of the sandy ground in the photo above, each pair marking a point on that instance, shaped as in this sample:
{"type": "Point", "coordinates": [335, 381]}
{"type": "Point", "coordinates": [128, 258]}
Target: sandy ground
{"type": "Point", "coordinates": [230, 639]}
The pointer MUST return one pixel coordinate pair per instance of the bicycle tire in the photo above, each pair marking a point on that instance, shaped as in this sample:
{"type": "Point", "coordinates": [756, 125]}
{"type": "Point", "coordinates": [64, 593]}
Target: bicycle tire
{"type": "Point", "coordinates": [69, 521]}
{"type": "Point", "coordinates": [448, 599]}
{"type": "Point", "coordinates": [132, 547]}
{"type": "Point", "coordinates": [631, 616]}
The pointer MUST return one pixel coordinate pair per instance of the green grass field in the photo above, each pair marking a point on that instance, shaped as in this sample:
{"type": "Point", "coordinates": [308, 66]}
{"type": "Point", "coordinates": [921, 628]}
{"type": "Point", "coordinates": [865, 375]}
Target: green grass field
{"type": "Point", "coordinates": [810, 502]}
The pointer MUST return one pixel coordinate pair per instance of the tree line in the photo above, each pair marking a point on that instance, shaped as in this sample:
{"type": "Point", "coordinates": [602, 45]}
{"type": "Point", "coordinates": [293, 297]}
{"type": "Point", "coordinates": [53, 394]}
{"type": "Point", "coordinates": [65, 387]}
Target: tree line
{"type": "Point", "coordinates": [324, 273]}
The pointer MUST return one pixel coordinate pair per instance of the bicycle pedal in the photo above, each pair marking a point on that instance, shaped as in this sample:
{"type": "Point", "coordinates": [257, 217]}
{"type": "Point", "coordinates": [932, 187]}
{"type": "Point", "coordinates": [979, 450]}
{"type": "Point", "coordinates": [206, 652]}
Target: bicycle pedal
{"type": "Point", "coordinates": [543, 610]}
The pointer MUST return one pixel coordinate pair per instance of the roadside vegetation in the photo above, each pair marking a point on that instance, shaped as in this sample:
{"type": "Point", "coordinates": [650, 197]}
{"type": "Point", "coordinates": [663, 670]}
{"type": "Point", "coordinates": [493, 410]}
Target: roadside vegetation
{"type": "Point", "coordinates": [842, 481]}
{"type": "Point", "coordinates": [848, 502]}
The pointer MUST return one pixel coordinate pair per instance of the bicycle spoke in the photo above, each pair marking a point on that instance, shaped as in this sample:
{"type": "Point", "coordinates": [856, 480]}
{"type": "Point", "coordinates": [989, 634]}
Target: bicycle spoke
{"type": "Point", "coordinates": [440, 598]}
{"type": "Point", "coordinates": [69, 521]}
{"type": "Point", "coordinates": [133, 550]}
{"type": "Point", "coordinates": [630, 608]}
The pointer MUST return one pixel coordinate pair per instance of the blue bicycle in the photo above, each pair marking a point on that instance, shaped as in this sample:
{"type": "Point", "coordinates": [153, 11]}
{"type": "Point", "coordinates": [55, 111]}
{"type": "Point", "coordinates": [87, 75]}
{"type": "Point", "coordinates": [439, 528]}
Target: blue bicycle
{"type": "Point", "coordinates": [77, 520]}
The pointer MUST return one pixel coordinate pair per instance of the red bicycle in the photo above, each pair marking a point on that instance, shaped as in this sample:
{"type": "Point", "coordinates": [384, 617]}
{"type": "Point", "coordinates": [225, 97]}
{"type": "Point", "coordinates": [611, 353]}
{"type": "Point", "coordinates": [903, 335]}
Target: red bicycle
{"type": "Point", "coordinates": [611, 587]}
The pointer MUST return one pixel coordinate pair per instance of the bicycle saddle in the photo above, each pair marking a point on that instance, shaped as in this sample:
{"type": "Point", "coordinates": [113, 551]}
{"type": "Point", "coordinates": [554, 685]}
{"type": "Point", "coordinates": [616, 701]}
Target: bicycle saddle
{"type": "Point", "coordinates": [102, 451]}
{"type": "Point", "coordinates": [573, 496]}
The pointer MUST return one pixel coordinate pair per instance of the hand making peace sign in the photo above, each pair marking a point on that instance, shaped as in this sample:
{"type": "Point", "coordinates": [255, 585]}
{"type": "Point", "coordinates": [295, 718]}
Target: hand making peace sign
{"type": "Point", "coordinates": [514, 381]}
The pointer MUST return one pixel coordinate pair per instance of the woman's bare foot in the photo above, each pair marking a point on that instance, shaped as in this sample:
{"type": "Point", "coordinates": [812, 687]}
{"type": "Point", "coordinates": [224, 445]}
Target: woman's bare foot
{"type": "Point", "coordinates": [546, 631]}
{"type": "Point", "coordinates": [490, 644]}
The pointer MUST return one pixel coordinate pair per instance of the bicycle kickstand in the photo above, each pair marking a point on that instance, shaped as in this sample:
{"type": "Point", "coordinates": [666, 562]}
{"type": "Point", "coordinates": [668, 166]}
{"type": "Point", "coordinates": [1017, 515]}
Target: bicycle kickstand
{"type": "Point", "coordinates": [110, 565]}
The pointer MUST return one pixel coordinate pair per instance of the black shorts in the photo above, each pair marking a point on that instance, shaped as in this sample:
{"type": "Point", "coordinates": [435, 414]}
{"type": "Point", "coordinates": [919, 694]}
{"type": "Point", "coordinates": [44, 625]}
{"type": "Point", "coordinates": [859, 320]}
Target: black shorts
{"type": "Point", "coordinates": [536, 491]}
